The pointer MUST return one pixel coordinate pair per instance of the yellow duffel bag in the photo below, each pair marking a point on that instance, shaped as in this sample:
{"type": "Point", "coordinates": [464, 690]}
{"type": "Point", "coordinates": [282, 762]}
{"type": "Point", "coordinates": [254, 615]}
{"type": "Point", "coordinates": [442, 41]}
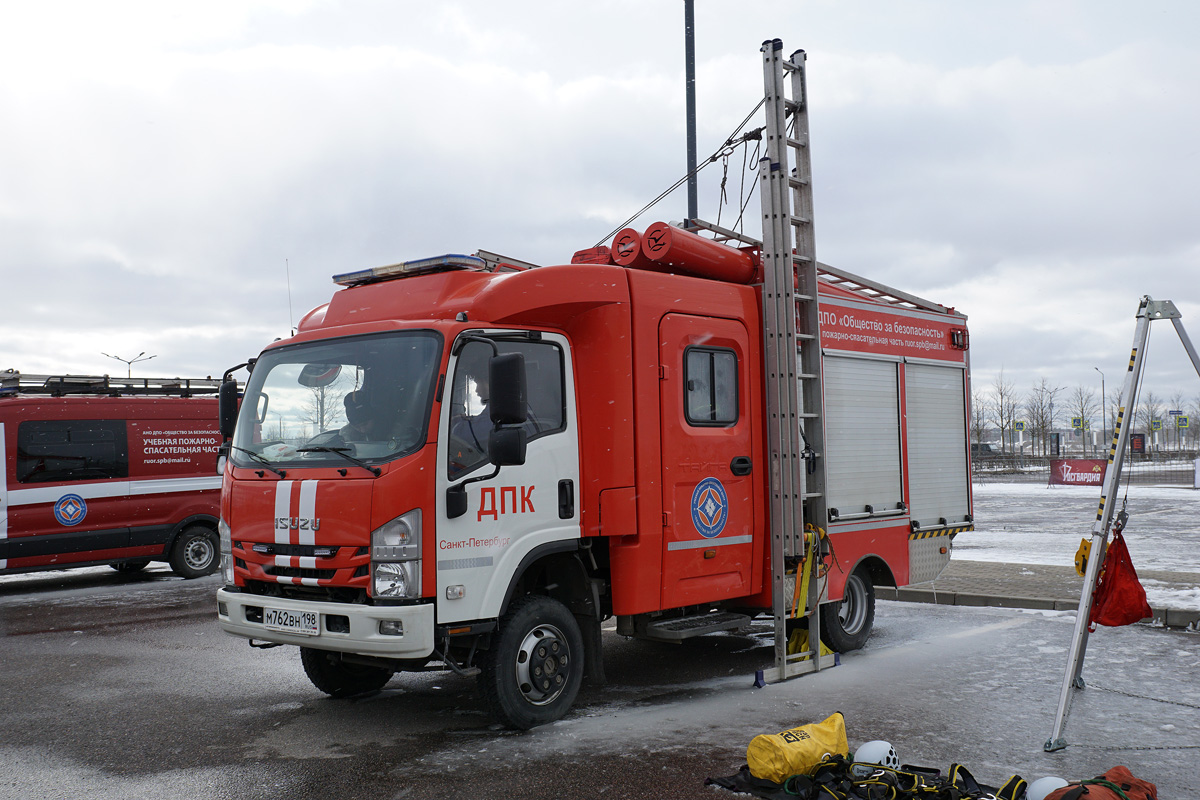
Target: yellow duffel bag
{"type": "Point", "coordinates": [775, 756]}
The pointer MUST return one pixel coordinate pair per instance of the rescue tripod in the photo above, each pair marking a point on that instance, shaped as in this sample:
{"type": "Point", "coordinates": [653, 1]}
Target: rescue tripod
{"type": "Point", "coordinates": [1148, 311]}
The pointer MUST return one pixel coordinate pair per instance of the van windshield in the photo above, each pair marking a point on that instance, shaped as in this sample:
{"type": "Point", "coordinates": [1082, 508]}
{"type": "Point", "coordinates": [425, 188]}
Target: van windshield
{"type": "Point", "coordinates": [367, 397]}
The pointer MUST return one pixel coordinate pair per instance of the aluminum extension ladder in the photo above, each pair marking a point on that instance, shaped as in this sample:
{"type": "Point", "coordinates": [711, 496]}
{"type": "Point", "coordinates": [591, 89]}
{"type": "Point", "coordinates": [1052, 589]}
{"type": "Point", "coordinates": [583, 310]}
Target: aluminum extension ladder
{"type": "Point", "coordinates": [792, 350]}
{"type": "Point", "coordinates": [1148, 311]}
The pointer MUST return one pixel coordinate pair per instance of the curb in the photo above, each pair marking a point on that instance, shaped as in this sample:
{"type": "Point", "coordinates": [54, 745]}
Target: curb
{"type": "Point", "coordinates": [1166, 617]}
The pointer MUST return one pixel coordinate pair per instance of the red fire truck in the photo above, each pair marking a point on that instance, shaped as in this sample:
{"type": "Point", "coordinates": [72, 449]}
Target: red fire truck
{"type": "Point", "coordinates": [467, 463]}
{"type": "Point", "coordinates": [100, 470]}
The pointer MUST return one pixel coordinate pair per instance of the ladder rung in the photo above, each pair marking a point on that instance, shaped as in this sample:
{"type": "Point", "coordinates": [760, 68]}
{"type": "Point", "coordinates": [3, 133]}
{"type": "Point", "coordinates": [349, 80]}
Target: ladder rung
{"type": "Point", "coordinates": [798, 259]}
{"type": "Point", "coordinates": [807, 495]}
{"type": "Point", "coordinates": [797, 183]}
{"type": "Point", "coordinates": [807, 376]}
{"type": "Point", "coordinates": [799, 220]}
{"type": "Point", "coordinates": [802, 297]}
{"type": "Point", "coordinates": [797, 143]}
{"type": "Point", "coordinates": [808, 415]}
{"type": "Point", "coordinates": [808, 337]}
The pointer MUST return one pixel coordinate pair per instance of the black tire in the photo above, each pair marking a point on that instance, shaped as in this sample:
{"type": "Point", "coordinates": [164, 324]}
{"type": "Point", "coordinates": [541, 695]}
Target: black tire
{"type": "Point", "coordinates": [132, 566]}
{"type": "Point", "coordinates": [337, 678]}
{"type": "Point", "coordinates": [846, 625]}
{"type": "Point", "coordinates": [534, 668]}
{"type": "Point", "coordinates": [194, 552]}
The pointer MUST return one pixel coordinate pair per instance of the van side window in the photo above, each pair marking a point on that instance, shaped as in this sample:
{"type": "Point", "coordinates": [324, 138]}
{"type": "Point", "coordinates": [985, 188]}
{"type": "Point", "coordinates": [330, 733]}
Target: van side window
{"type": "Point", "coordinates": [470, 422]}
{"type": "Point", "coordinates": [711, 386]}
{"type": "Point", "coordinates": [71, 450]}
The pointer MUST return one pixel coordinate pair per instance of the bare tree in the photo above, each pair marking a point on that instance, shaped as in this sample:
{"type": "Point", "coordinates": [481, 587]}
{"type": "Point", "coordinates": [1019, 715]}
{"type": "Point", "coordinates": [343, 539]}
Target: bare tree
{"type": "Point", "coordinates": [1082, 404]}
{"type": "Point", "coordinates": [324, 408]}
{"type": "Point", "coordinates": [1193, 428]}
{"type": "Point", "coordinates": [1004, 408]}
{"type": "Point", "coordinates": [1149, 411]}
{"type": "Point", "coordinates": [1039, 406]}
{"type": "Point", "coordinates": [1171, 423]}
{"type": "Point", "coordinates": [979, 416]}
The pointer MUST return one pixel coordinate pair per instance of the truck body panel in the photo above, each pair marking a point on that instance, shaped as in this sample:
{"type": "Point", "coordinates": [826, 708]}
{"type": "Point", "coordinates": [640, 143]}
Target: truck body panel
{"type": "Point", "coordinates": [103, 479]}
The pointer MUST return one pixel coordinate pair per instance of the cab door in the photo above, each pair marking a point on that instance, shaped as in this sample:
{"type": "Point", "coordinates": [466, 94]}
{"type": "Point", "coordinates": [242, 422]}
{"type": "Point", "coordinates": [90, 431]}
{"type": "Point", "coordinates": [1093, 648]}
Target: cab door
{"type": "Point", "coordinates": [709, 460]}
{"type": "Point", "coordinates": [520, 511]}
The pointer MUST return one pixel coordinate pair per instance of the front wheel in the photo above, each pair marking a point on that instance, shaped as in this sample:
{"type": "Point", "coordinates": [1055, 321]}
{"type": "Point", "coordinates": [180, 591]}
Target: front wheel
{"type": "Point", "coordinates": [194, 552]}
{"type": "Point", "coordinates": [339, 679]}
{"type": "Point", "coordinates": [534, 668]}
{"type": "Point", "coordinates": [845, 626]}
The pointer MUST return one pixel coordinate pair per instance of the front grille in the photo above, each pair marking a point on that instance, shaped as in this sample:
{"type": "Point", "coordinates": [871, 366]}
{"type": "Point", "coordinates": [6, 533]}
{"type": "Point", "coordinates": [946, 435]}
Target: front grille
{"type": "Point", "coordinates": [300, 550]}
{"type": "Point", "coordinates": [298, 572]}
{"type": "Point", "coordinates": [329, 594]}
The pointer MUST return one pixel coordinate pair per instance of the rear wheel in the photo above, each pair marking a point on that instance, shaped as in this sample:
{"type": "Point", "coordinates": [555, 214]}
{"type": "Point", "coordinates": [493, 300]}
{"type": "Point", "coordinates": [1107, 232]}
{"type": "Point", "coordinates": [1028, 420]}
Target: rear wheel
{"type": "Point", "coordinates": [845, 626]}
{"type": "Point", "coordinates": [194, 552]}
{"type": "Point", "coordinates": [337, 678]}
{"type": "Point", "coordinates": [534, 668]}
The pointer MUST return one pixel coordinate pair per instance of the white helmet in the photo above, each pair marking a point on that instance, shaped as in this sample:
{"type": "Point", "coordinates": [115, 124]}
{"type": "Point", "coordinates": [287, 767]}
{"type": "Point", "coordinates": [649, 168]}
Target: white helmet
{"type": "Point", "coordinates": [877, 752]}
{"type": "Point", "coordinates": [1043, 786]}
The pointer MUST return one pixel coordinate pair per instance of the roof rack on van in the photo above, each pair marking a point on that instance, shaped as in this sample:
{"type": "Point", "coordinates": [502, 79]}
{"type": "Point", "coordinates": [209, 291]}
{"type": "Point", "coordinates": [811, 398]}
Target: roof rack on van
{"type": "Point", "coordinates": [15, 383]}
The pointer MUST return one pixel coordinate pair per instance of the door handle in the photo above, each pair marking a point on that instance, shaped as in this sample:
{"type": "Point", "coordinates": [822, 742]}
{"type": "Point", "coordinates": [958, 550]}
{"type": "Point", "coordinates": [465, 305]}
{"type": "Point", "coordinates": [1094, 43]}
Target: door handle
{"type": "Point", "coordinates": [741, 466]}
{"type": "Point", "coordinates": [566, 499]}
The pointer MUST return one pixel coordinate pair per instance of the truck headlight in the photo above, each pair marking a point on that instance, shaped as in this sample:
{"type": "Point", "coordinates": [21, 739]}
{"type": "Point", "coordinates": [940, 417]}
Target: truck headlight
{"type": "Point", "coordinates": [225, 536]}
{"type": "Point", "coordinates": [401, 579]}
{"type": "Point", "coordinates": [396, 557]}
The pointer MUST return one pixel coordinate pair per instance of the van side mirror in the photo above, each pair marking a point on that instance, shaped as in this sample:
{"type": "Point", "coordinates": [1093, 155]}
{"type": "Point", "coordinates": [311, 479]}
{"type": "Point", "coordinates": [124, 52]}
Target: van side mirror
{"type": "Point", "coordinates": [506, 379]}
{"type": "Point", "coordinates": [227, 407]}
{"type": "Point", "coordinates": [506, 447]}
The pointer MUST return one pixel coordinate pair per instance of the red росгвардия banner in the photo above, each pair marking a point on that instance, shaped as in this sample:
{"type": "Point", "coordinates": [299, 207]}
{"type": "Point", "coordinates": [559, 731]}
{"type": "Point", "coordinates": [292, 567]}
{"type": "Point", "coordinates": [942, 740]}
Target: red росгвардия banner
{"type": "Point", "coordinates": [1077, 471]}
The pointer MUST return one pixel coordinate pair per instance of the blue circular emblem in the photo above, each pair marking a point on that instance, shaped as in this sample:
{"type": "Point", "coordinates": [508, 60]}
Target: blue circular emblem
{"type": "Point", "coordinates": [710, 507]}
{"type": "Point", "coordinates": [70, 510]}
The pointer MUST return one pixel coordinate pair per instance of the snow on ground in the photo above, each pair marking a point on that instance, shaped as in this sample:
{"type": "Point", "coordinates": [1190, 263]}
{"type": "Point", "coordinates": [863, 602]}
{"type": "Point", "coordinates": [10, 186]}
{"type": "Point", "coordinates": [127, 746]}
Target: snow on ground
{"type": "Point", "coordinates": [1024, 523]}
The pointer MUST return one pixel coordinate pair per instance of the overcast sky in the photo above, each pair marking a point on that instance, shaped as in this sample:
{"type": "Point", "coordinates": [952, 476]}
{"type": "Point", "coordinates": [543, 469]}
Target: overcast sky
{"type": "Point", "coordinates": [164, 166]}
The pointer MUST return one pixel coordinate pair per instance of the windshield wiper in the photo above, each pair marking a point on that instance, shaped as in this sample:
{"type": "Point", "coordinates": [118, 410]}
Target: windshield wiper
{"type": "Point", "coordinates": [260, 460]}
{"type": "Point", "coordinates": [343, 452]}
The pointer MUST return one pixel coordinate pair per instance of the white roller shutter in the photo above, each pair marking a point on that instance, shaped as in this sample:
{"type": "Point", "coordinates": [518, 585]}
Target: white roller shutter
{"type": "Point", "coordinates": [862, 434]}
{"type": "Point", "coordinates": [937, 444]}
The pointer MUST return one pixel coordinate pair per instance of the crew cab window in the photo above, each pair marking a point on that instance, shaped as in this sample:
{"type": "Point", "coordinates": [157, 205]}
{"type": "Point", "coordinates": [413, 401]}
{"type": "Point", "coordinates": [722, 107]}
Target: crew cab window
{"type": "Point", "coordinates": [711, 386]}
{"type": "Point", "coordinates": [470, 422]}
{"type": "Point", "coordinates": [71, 450]}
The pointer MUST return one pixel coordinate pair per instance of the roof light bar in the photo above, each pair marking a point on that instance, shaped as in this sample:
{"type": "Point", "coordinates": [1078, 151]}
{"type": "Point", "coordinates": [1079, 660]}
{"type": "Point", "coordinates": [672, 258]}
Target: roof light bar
{"type": "Point", "coordinates": [406, 268]}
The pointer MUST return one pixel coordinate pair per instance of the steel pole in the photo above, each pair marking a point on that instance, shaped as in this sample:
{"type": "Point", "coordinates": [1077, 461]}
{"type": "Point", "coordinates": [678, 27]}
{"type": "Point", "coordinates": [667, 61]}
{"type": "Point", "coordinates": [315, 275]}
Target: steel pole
{"type": "Point", "coordinates": [689, 47]}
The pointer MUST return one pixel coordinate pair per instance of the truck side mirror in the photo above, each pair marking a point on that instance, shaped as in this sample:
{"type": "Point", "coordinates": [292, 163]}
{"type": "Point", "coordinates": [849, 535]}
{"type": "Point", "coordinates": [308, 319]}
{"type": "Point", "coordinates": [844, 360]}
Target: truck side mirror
{"type": "Point", "coordinates": [506, 447]}
{"type": "Point", "coordinates": [227, 407]}
{"type": "Point", "coordinates": [456, 501]}
{"type": "Point", "coordinates": [506, 379]}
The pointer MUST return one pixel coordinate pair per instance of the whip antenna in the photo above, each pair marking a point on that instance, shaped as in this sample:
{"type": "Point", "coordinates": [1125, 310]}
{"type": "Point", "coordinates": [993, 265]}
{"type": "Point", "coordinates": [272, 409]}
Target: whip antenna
{"type": "Point", "coordinates": [288, 269]}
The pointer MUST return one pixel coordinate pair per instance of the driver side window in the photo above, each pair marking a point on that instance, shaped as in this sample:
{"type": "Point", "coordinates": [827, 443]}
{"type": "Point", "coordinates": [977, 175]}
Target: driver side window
{"type": "Point", "coordinates": [470, 421]}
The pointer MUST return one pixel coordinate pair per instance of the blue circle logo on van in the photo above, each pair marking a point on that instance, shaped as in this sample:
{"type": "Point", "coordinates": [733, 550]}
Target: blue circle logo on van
{"type": "Point", "coordinates": [710, 507]}
{"type": "Point", "coordinates": [70, 510]}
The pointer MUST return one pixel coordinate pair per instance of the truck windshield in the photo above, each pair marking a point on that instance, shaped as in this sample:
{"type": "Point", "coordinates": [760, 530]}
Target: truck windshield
{"type": "Point", "coordinates": [367, 397]}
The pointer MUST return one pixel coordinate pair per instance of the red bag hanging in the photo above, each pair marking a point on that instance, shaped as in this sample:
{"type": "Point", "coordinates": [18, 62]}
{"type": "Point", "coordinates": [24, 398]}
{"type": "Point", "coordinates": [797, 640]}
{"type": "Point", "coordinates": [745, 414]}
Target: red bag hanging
{"type": "Point", "coordinates": [1120, 598]}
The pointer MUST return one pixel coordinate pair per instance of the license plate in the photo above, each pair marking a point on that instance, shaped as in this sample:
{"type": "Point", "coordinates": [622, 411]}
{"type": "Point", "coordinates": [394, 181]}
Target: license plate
{"type": "Point", "coordinates": [302, 622]}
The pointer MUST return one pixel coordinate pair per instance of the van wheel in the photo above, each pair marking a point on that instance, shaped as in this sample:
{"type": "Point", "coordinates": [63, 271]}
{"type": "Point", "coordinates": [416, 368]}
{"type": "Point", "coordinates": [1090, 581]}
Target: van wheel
{"type": "Point", "coordinates": [194, 552]}
{"type": "Point", "coordinates": [132, 566]}
{"type": "Point", "coordinates": [533, 671]}
{"type": "Point", "coordinates": [845, 626]}
{"type": "Point", "coordinates": [337, 678]}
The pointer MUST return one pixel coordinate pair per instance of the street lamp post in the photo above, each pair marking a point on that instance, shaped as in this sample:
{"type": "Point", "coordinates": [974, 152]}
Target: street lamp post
{"type": "Point", "coordinates": [129, 362]}
{"type": "Point", "coordinates": [1103, 409]}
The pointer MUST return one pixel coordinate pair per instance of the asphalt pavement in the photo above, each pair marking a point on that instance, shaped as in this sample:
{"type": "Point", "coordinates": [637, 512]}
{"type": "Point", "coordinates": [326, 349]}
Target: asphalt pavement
{"type": "Point", "coordinates": [117, 687]}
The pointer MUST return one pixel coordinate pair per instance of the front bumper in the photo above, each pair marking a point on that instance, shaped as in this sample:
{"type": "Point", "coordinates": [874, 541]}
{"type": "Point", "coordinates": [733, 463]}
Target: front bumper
{"type": "Point", "coordinates": [237, 614]}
